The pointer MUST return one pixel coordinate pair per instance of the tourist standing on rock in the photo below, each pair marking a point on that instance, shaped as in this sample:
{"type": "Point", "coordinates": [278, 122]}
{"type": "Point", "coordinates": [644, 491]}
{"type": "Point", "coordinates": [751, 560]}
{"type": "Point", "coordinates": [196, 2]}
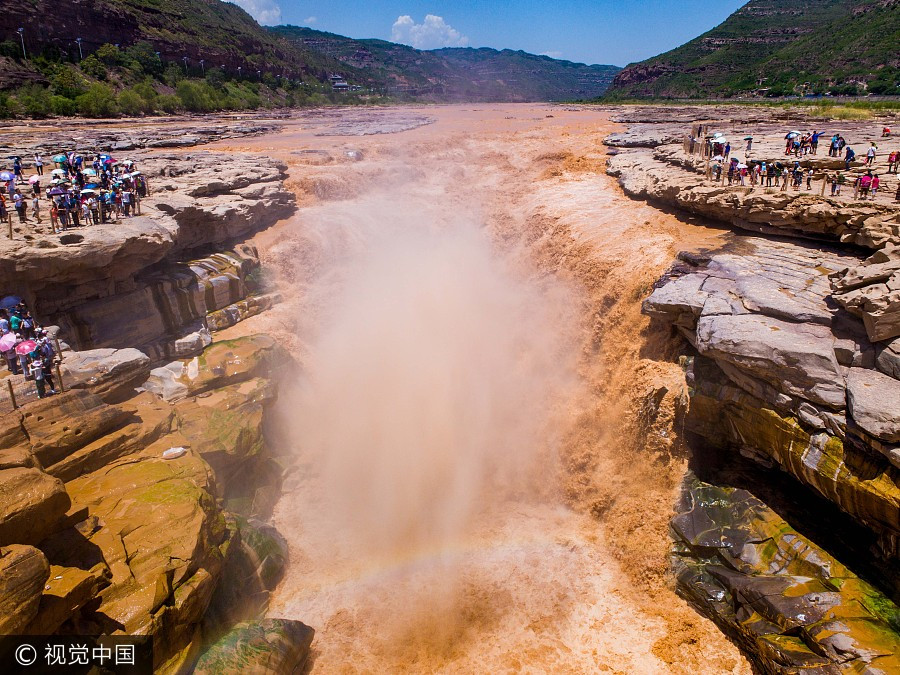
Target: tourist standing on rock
{"type": "Point", "coordinates": [848, 158]}
{"type": "Point", "coordinates": [809, 177]}
{"type": "Point", "coordinates": [893, 160]}
{"type": "Point", "coordinates": [54, 216]}
{"type": "Point", "coordinates": [38, 164]}
{"type": "Point", "coordinates": [36, 371]}
{"type": "Point", "coordinates": [86, 212]}
{"type": "Point", "coordinates": [72, 206]}
{"type": "Point", "coordinates": [876, 181]}
{"type": "Point", "coordinates": [865, 182]}
{"type": "Point", "coordinates": [36, 208]}
{"type": "Point", "coordinates": [19, 202]}
{"type": "Point", "coordinates": [727, 149]}
{"type": "Point", "coordinates": [126, 202]}
{"type": "Point", "coordinates": [814, 142]}
{"type": "Point", "coordinates": [17, 167]}
{"type": "Point", "coordinates": [870, 154]}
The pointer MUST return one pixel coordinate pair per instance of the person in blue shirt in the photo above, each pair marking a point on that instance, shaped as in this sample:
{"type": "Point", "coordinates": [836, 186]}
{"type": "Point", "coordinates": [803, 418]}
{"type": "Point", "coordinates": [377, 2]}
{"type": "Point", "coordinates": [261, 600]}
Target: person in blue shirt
{"type": "Point", "coordinates": [814, 142]}
{"type": "Point", "coordinates": [848, 158]}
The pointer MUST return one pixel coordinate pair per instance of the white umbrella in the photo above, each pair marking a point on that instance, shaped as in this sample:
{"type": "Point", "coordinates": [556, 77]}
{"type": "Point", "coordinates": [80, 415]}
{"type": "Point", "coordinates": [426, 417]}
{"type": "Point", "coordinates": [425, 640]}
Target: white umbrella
{"type": "Point", "coordinates": [718, 158]}
{"type": "Point", "coordinates": [742, 166]}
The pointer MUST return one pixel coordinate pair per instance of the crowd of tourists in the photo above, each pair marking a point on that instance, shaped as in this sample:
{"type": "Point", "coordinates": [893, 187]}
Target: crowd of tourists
{"type": "Point", "coordinates": [789, 173]}
{"type": "Point", "coordinates": [79, 191]}
{"type": "Point", "coordinates": [26, 347]}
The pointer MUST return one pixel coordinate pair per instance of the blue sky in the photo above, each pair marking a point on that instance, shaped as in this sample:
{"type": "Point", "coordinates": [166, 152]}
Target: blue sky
{"type": "Point", "coordinates": [598, 31]}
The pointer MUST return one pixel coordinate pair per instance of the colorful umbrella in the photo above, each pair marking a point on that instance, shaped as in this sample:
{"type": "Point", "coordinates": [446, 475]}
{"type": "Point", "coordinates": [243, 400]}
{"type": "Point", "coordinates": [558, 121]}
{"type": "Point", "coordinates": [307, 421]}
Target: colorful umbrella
{"type": "Point", "coordinates": [58, 172]}
{"type": "Point", "coordinates": [59, 159]}
{"type": "Point", "coordinates": [7, 175]}
{"type": "Point", "coordinates": [56, 191]}
{"type": "Point", "coordinates": [792, 134]}
{"type": "Point", "coordinates": [26, 347]}
{"type": "Point", "coordinates": [34, 179]}
{"type": "Point", "coordinates": [7, 342]}
{"type": "Point", "coordinates": [91, 186]}
{"type": "Point", "coordinates": [89, 172]}
{"type": "Point", "coordinates": [748, 138]}
{"type": "Point", "coordinates": [10, 301]}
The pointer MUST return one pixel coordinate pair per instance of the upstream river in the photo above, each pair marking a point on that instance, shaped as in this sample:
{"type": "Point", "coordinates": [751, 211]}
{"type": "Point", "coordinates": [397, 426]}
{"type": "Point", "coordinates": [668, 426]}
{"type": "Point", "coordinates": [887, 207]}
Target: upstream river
{"type": "Point", "coordinates": [475, 485]}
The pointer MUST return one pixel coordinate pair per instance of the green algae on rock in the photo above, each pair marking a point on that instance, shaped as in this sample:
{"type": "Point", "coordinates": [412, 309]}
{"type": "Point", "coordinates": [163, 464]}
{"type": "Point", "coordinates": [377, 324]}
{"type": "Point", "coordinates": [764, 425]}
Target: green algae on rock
{"type": "Point", "coordinates": [791, 605]}
{"type": "Point", "coordinates": [274, 646]}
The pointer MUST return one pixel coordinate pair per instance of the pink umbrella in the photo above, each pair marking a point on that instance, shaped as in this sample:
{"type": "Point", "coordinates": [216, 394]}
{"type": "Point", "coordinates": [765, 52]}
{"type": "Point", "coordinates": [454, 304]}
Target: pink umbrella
{"type": "Point", "coordinates": [34, 179]}
{"type": "Point", "coordinates": [26, 347]}
{"type": "Point", "coordinates": [7, 342]}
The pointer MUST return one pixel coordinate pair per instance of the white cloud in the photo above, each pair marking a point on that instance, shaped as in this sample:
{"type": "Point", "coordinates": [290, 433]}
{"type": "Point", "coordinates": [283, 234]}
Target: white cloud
{"type": "Point", "coordinates": [552, 54]}
{"type": "Point", "coordinates": [266, 12]}
{"type": "Point", "coordinates": [310, 20]}
{"type": "Point", "coordinates": [432, 33]}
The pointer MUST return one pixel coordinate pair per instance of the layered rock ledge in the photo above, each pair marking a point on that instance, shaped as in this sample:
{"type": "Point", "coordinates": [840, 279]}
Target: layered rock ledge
{"type": "Point", "coordinates": [791, 363]}
{"type": "Point", "coordinates": [166, 269]}
{"type": "Point", "coordinates": [109, 535]}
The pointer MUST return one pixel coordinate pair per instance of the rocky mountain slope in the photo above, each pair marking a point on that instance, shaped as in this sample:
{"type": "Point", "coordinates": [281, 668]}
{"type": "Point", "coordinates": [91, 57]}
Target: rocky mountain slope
{"type": "Point", "coordinates": [455, 74]}
{"type": "Point", "coordinates": [783, 47]}
{"type": "Point", "coordinates": [184, 32]}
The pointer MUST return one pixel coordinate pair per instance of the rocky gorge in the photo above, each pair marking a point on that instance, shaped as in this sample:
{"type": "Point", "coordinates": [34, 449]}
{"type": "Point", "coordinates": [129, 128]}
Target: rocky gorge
{"type": "Point", "coordinates": [171, 490]}
{"type": "Point", "coordinates": [136, 501]}
{"type": "Point", "coordinates": [789, 363]}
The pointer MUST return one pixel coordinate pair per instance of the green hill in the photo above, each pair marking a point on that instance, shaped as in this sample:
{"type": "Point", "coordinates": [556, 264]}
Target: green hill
{"type": "Point", "coordinates": [459, 74]}
{"type": "Point", "coordinates": [778, 48]}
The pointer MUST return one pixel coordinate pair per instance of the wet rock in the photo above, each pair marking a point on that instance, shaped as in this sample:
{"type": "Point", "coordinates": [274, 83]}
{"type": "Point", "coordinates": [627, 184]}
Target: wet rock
{"type": "Point", "coordinates": [32, 504]}
{"type": "Point", "coordinates": [851, 473]}
{"type": "Point", "coordinates": [225, 428]}
{"type": "Point", "coordinates": [159, 532]}
{"type": "Point", "coordinates": [60, 425]}
{"type": "Point", "coordinates": [23, 572]}
{"type": "Point", "coordinates": [273, 646]}
{"type": "Point", "coordinates": [67, 590]}
{"type": "Point", "coordinates": [791, 605]}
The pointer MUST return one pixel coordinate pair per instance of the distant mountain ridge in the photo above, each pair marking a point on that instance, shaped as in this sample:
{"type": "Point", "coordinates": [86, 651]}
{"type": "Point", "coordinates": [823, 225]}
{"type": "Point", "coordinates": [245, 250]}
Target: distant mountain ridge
{"type": "Point", "coordinates": [201, 34]}
{"type": "Point", "coordinates": [779, 47]}
{"type": "Point", "coordinates": [452, 74]}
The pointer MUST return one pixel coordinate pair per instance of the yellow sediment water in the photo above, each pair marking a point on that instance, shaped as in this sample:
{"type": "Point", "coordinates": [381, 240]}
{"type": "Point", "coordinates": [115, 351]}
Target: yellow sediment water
{"type": "Point", "coordinates": [479, 484]}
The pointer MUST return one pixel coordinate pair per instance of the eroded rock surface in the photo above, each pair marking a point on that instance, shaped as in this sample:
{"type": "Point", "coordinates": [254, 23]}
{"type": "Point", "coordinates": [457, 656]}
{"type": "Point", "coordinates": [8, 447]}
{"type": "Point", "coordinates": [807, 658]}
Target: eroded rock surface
{"type": "Point", "coordinates": [790, 604]}
{"type": "Point", "coordinates": [133, 542]}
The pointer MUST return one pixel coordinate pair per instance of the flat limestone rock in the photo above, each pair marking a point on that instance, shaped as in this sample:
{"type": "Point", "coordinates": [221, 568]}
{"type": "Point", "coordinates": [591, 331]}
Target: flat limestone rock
{"type": "Point", "coordinates": [111, 373]}
{"type": "Point", "coordinates": [32, 504]}
{"type": "Point", "coordinates": [796, 358]}
{"type": "Point", "coordinates": [23, 572]}
{"type": "Point", "coordinates": [874, 403]}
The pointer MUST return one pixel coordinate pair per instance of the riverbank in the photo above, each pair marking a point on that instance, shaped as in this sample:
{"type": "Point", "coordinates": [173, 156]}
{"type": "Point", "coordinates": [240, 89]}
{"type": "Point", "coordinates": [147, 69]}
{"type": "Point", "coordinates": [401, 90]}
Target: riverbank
{"type": "Point", "coordinates": [788, 365]}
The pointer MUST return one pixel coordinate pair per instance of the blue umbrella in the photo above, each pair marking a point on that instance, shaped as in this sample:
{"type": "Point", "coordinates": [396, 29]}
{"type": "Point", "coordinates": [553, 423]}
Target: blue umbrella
{"type": "Point", "coordinates": [10, 301]}
{"type": "Point", "coordinates": [91, 186]}
{"type": "Point", "coordinates": [7, 175]}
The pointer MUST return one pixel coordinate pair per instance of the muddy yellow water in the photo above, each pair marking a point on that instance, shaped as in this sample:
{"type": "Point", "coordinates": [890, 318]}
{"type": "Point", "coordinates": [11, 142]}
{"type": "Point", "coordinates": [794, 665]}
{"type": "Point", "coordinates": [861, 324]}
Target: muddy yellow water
{"type": "Point", "coordinates": [476, 485]}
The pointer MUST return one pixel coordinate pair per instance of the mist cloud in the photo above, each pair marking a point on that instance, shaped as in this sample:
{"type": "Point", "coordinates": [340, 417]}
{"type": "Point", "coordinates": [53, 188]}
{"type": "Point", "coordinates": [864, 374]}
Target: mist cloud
{"type": "Point", "coordinates": [432, 33]}
{"type": "Point", "coordinates": [266, 12]}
